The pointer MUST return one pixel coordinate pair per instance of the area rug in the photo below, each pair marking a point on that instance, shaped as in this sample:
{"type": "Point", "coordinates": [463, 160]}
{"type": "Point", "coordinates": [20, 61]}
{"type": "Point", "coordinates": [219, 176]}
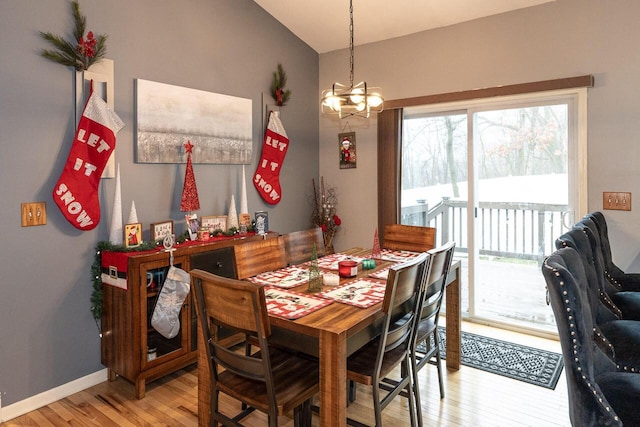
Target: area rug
{"type": "Point", "coordinates": [519, 362]}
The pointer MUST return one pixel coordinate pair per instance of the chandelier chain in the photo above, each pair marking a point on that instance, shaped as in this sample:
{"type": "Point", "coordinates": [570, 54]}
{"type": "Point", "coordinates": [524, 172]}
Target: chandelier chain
{"type": "Point", "coordinates": [351, 40]}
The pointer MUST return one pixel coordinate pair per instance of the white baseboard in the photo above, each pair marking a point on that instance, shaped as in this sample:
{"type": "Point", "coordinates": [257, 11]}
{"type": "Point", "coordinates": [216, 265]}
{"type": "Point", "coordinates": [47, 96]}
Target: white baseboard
{"type": "Point", "coordinates": [43, 399]}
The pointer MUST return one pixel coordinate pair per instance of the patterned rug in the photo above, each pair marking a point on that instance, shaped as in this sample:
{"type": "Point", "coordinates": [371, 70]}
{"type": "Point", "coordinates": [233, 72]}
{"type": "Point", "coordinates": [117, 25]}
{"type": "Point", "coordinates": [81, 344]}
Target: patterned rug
{"type": "Point", "coordinates": [528, 364]}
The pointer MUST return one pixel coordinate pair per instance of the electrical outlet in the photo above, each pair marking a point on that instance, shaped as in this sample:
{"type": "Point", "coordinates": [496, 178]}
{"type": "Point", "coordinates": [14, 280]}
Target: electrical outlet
{"type": "Point", "coordinates": [616, 201]}
{"type": "Point", "coordinates": [34, 213]}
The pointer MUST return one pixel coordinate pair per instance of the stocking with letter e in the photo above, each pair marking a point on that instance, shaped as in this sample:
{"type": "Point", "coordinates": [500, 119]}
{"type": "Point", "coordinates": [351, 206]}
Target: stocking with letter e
{"type": "Point", "coordinates": [76, 192]}
{"type": "Point", "coordinates": [274, 149]}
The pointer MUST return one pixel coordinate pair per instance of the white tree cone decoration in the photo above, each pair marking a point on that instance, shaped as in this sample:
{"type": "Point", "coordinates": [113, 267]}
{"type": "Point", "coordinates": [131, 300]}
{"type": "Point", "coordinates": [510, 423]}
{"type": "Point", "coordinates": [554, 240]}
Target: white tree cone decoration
{"type": "Point", "coordinates": [244, 209]}
{"type": "Point", "coordinates": [116, 233]}
{"type": "Point", "coordinates": [233, 216]}
{"type": "Point", "coordinates": [133, 214]}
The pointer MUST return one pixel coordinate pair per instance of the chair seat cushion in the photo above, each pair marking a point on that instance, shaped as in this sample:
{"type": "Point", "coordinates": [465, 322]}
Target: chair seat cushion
{"type": "Point", "coordinates": [295, 380]}
{"type": "Point", "coordinates": [361, 364]}
{"type": "Point", "coordinates": [628, 303]}
{"type": "Point", "coordinates": [622, 391]}
{"type": "Point", "coordinates": [624, 336]}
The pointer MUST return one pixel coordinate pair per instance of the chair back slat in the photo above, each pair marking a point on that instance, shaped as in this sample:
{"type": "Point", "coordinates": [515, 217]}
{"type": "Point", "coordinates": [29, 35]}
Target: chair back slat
{"type": "Point", "coordinates": [435, 280]}
{"type": "Point", "coordinates": [298, 245]}
{"type": "Point", "coordinates": [408, 237]}
{"type": "Point", "coordinates": [257, 256]}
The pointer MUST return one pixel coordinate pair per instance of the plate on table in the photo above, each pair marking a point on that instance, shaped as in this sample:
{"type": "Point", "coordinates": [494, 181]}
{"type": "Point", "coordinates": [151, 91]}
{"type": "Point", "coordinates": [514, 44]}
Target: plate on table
{"type": "Point", "coordinates": [290, 304]}
{"type": "Point", "coordinates": [287, 277]}
{"type": "Point", "coordinates": [394, 255]}
{"type": "Point", "coordinates": [330, 262]}
{"type": "Point", "coordinates": [362, 293]}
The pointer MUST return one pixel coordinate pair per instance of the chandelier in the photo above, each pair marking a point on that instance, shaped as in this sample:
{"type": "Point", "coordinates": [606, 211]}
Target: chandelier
{"type": "Point", "coordinates": [353, 100]}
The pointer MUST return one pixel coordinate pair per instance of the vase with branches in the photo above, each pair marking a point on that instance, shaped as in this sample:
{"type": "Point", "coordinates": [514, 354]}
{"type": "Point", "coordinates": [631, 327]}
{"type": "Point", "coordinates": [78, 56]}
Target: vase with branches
{"type": "Point", "coordinates": [325, 201]}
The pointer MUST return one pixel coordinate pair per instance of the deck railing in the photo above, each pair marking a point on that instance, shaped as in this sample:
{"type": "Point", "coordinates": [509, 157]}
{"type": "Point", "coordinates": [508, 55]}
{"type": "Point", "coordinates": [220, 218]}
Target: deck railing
{"type": "Point", "coordinates": [511, 230]}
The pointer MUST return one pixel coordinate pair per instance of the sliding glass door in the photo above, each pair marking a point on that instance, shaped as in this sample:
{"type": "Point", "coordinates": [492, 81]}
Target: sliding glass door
{"type": "Point", "coordinates": [502, 180]}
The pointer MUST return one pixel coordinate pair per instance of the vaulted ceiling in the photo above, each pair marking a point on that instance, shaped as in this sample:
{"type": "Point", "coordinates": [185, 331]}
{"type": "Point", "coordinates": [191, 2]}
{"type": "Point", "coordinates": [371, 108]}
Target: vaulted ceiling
{"type": "Point", "coordinates": [324, 24]}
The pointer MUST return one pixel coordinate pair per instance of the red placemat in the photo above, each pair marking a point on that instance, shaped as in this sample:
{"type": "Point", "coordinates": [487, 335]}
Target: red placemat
{"type": "Point", "coordinates": [287, 277]}
{"type": "Point", "coordinates": [290, 304]}
{"type": "Point", "coordinates": [330, 262]}
{"type": "Point", "coordinates": [396, 255]}
{"type": "Point", "coordinates": [362, 293]}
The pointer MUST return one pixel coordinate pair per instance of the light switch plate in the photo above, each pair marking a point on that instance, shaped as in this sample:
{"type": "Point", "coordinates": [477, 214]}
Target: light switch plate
{"type": "Point", "coordinates": [616, 201]}
{"type": "Point", "coordinates": [34, 213]}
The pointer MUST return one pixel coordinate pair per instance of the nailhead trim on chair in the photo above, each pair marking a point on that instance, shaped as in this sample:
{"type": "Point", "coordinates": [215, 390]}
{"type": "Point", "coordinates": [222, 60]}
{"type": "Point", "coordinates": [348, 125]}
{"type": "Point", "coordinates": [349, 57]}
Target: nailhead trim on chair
{"type": "Point", "coordinates": [603, 295]}
{"type": "Point", "coordinates": [612, 280]}
{"type": "Point", "coordinates": [572, 325]}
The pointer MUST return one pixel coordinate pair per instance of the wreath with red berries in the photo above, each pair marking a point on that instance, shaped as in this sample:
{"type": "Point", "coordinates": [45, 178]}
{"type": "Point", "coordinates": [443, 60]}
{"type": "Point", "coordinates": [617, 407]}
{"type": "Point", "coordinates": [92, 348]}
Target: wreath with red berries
{"type": "Point", "coordinates": [83, 51]}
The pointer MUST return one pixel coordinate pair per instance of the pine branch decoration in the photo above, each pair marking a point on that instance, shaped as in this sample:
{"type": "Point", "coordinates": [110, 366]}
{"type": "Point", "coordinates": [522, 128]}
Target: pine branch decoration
{"type": "Point", "coordinates": [80, 54]}
{"type": "Point", "coordinates": [278, 92]}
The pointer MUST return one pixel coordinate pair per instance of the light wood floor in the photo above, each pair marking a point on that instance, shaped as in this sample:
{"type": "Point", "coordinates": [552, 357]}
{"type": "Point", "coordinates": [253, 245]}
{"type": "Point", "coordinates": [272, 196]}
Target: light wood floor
{"type": "Point", "coordinates": [472, 398]}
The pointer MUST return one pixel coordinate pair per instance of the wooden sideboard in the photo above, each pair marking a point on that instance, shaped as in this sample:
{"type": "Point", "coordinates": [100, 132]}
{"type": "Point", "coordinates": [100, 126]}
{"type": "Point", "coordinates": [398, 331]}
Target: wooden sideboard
{"type": "Point", "coordinates": [130, 347]}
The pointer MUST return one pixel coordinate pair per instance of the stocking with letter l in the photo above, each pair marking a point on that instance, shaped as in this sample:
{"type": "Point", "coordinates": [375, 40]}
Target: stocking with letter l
{"type": "Point", "coordinates": [76, 192]}
{"type": "Point", "coordinates": [267, 176]}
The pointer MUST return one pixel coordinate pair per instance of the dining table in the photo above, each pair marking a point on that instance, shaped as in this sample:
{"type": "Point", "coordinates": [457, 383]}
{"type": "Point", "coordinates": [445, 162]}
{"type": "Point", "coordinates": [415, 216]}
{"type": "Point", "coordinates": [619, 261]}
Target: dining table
{"type": "Point", "coordinates": [334, 331]}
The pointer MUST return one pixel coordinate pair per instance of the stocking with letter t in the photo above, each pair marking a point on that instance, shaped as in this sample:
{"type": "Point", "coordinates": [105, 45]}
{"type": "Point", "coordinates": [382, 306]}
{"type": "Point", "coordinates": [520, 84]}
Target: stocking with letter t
{"type": "Point", "coordinates": [76, 192]}
{"type": "Point", "coordinates": [267, 176]}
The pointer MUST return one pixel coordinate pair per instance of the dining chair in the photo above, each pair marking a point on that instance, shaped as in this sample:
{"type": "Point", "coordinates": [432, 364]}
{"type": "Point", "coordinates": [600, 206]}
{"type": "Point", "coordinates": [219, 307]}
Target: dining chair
{"type": "Point", "coordinates": [624, 303]}
{"type": "Point", "coordinates": [619, 279]}
{"type": "Point", "coordinates": [425, 346]}
{"type": "Point", "coordinates": [372, 364]}
{"type": "Point", "coordinates": [618, 338]}
{"type": "Point", "coordinates": [408, 237]}
{"type": "Point", "coordinates": [298, 245]}
{"type": "Point", "coordinates": [270, 380]}
{"type": "Point", "coordinates": [598, 395]}
{"type": "Point", "coordinates": [257, 256]}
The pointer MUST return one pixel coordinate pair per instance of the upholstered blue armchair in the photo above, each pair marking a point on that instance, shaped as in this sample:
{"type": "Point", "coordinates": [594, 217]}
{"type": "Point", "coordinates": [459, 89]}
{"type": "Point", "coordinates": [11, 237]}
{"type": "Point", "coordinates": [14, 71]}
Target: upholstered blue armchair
{"type": "Point", "coordinates": [598, 394]}
{"type": "Point", "coordinates": [621, 280]}
{"type": "Point", "coordinates": [620, 339]}
{"type": "Point", "coordinates": [620, 291]}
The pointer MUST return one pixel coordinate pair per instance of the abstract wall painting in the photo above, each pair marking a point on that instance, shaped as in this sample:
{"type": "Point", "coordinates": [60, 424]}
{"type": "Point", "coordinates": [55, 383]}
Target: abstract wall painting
{"type": "Point", "coordinates": [219, 126]}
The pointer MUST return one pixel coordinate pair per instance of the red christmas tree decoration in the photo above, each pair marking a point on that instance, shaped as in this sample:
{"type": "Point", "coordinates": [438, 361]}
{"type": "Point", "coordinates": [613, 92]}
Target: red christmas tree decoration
{"type": "Point", "coordinates": [375, 252]}
{"type": "Point", "coordinates": [190, 201]}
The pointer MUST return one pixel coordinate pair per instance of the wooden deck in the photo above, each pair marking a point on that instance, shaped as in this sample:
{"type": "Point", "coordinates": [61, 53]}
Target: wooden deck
{"type": "Point", "coordinates": [509, 292]}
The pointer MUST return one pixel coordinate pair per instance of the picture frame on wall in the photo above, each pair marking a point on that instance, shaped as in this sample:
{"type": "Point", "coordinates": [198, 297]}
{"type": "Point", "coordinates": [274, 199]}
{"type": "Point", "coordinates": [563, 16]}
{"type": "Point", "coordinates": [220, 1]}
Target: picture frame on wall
{"type": "Point", "coordinates": [132, 235]}
{"type": "Point", "coordinates": [213, 223]}
{"type": "Point", "coordinates": [347, 150]}
{"type": "Point", "coordinates": [159, 230]}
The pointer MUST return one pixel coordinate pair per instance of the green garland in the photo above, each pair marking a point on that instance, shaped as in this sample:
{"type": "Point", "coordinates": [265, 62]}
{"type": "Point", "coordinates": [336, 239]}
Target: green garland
{"type": "Point", "coordinates": [278, 92]}
{"type": "Point", "coordinates": [96, 270]}
{"type": "Point", "coordinates": [83, 52]}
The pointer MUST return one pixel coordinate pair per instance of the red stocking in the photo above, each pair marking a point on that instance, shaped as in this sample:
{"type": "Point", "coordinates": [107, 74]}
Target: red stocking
{"type": "Point", "coordinates": [76, 192]}
{"type": "Point", "coordinates": [267, 176]}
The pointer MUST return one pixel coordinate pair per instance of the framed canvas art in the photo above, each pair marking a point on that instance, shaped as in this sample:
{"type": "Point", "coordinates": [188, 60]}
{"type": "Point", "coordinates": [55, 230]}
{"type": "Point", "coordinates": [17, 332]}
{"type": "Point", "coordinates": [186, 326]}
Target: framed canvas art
{"type": "Point", "coordinates": [219, 126]}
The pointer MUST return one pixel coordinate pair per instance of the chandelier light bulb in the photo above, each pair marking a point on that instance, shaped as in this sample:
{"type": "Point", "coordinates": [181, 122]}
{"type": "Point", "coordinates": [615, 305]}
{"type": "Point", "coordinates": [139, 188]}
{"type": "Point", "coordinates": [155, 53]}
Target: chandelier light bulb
{"type": "Point", "coordinates": [357, 95]}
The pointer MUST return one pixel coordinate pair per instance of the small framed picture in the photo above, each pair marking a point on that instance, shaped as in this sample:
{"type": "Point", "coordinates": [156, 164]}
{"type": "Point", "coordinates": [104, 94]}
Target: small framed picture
{"type": "Point", "coordinates": [192, 225]}
{"type": "Point", "coordinates": [132, 235]}
{"type": "Point", "coordinates": [214, 223]}
{"type": "Point", "coordinates": [160, 229]}
{"type": "Point", "coordinates": [262, 222]}
{"type": "Point", "coordinates": [347, 149]}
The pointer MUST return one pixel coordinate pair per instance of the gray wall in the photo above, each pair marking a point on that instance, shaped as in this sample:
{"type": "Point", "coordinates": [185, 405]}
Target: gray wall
{"type": "Point", "coordinates": [47, 334]}
{"type": "Point", "coordinates": [560, 39]}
